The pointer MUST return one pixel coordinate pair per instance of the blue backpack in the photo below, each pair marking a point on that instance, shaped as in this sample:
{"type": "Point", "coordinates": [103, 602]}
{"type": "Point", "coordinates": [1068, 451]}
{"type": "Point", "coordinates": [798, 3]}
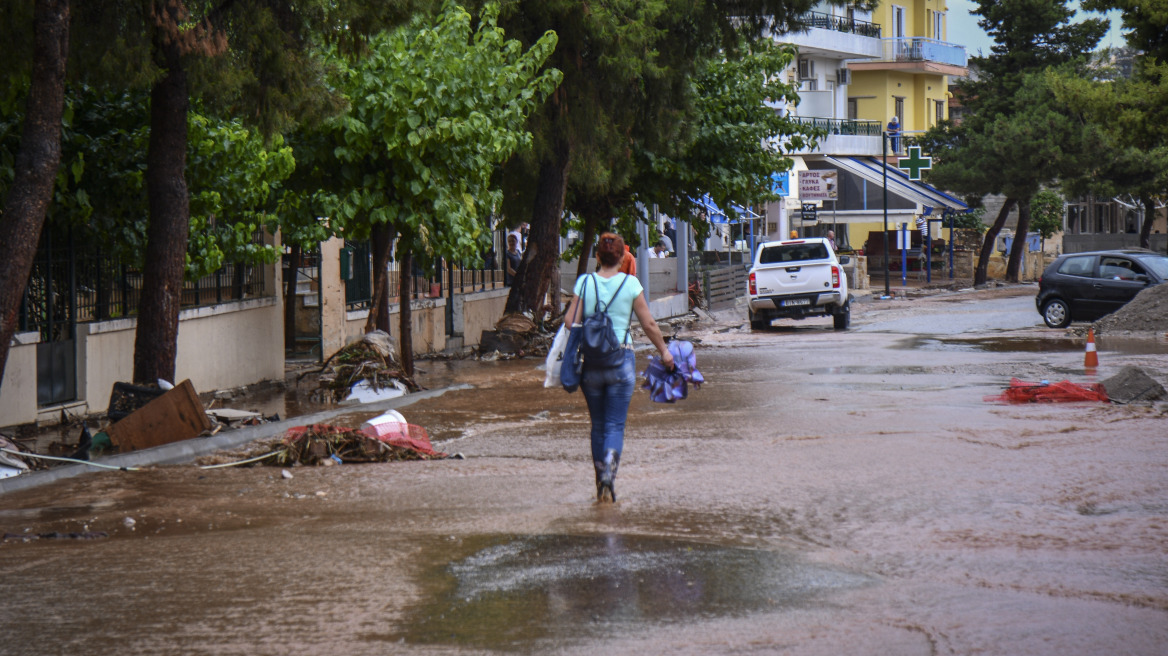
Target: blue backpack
{"type": "Point", "coordinates": [599, 345]}
{"type": "Point", "coordinates": [592, 343]}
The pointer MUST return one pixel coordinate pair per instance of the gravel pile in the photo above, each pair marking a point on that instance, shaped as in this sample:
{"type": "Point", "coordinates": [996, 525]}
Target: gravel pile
{"type": "Point", "coordinates": [1147, 312]}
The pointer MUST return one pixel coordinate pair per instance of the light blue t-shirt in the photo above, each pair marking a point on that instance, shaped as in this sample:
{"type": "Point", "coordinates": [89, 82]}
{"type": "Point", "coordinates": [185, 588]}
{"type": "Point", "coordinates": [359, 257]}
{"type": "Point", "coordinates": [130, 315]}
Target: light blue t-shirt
{"type": "Point", "coordinates": [620, 309]}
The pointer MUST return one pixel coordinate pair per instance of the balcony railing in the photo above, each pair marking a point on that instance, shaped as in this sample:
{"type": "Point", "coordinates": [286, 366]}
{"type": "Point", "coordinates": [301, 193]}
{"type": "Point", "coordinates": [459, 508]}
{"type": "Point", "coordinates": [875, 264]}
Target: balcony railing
{"type": "Point", "coordinates": [842, 126]}
{"type": "Point", "coordinates": [841, 24]}
{"type": "Point", "coordinates": [920, 49]}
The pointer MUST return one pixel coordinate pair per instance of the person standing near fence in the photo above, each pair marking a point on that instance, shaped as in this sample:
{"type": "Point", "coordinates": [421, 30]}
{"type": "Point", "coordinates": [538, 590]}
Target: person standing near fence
{"type": "Point", "coordinates": [609, 391]}
{"type": "Point", "coordinates": [512, 259]}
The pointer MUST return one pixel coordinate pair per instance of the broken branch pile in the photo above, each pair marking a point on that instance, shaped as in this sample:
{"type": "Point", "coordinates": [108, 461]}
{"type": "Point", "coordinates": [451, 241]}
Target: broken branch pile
{"type": "Point", "coordinates": [315, 444]}
{"type": "Point", "coordinates": [372, 360]}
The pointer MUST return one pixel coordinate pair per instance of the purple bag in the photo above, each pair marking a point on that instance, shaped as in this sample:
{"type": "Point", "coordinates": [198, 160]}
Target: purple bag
{"type": "Point", "coordinates": [669, 386]}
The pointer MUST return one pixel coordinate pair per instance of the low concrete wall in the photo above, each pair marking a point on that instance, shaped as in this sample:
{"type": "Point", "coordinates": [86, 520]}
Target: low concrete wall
{"type": "Point", "coordinates": [18, 390]}
{"type": "Point", "coordinates": [252, 353]}
{"type": "Point", "coordinates": [478, 311]}
{"type": "Point", "coordinates": [662, 277]}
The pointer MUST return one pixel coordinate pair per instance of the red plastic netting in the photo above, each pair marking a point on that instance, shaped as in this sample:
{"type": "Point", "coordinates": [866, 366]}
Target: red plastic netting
{"type": "Point", "coordinates": [1021, 391]}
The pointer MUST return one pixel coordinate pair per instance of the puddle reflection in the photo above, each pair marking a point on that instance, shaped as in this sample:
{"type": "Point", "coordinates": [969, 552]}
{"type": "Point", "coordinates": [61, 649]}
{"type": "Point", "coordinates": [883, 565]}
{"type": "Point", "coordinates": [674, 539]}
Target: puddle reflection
{"type": "Point", "coordinates": [517, 592]}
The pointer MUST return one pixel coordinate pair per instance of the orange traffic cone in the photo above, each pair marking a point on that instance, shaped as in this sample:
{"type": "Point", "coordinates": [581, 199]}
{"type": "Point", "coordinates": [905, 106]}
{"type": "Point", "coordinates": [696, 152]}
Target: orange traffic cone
{"type": "Point", "coordinates": [1092, 358]}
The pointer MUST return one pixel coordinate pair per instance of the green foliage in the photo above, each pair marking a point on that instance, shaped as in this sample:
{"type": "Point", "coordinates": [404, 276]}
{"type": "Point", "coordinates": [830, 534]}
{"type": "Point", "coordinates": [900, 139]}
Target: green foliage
{"type": "Point", "coordinates": [434, 108]}
{"type": "Point", "coordinates": [739, 140]}
{"type": "Point", "coordinates": [1125, 123]}
{"type": "Point", "coordinates": [1029, 36]}
{"type": "Point", "coordinates": [971, 220]}
{"type": "Point", "coordinates": [232, 173]}
{"type": "Point", "coordinates": [1145, 24]}
{"type": "Point", "coordinates": [1046, 213]}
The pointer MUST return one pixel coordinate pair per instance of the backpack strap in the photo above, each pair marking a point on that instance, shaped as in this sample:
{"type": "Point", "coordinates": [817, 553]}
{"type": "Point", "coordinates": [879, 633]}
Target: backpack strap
{"type": "Point", "coordinates": [614, 295]}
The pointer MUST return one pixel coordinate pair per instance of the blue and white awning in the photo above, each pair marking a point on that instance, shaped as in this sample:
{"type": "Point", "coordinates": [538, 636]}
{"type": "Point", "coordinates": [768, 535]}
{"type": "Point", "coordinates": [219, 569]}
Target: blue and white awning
{"type": "Point", "coordinates": [872, 170]}
{"type": "Point", "coordinates": [717, 215]}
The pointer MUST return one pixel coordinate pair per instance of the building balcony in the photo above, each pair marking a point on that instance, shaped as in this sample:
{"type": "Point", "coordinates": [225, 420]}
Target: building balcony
{"type": "Point", "coordinates": [835, 37]}
{"type": "Point", "coordinates": [841, 24]}
{"type": "Point", "coordinates": [916, 54]}
{"type": "Point", "coordinates": [844, 136]}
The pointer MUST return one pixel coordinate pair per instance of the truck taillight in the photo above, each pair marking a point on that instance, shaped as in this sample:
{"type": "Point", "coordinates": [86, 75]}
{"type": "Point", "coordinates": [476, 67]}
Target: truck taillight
{"type": "Point", "coordinates": [835, 277]}
{"type": "Point", "coordinates": [753, 287]}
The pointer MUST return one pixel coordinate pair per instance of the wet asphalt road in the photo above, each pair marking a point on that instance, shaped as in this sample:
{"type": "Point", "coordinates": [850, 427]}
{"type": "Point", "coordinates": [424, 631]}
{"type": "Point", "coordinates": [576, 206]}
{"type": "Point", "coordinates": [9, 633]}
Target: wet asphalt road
{"type": "Point", "coordinates": [826, 493]}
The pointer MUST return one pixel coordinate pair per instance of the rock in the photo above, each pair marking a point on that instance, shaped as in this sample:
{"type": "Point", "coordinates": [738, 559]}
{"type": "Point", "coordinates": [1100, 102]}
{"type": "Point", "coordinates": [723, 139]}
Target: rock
{"type": "Point", "coordinates": [287, 475]}
{"type": "Point", "coordinates": [1132, 384]}
{"type": "Point", "coordinates": [129, 522]}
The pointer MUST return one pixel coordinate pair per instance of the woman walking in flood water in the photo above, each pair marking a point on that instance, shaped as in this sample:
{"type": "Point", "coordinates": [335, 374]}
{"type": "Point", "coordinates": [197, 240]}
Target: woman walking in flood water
{"type": "Point", "coordinates": [608, 391]}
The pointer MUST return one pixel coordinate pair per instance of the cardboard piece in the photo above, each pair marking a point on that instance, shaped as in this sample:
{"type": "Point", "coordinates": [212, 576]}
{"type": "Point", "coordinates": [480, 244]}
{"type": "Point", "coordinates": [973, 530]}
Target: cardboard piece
{"type": "Point", "coordinates": [176, 415]}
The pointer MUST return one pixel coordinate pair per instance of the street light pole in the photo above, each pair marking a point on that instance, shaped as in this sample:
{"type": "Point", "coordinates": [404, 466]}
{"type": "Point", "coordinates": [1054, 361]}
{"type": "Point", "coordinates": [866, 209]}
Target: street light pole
{"type": "Point", "coordinates": [884, 171]}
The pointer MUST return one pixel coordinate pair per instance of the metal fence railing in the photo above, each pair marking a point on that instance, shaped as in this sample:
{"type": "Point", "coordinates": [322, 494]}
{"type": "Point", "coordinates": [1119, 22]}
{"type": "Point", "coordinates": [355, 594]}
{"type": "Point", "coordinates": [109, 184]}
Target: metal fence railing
{"type": "Point", "coordinates": [843, 126]}
{"type": "Point", "coordinates": [98, 287]}
{"type": "Point", "coordinates": [448, 277]}
{"type": "Point", "coordinates": [841, 24]}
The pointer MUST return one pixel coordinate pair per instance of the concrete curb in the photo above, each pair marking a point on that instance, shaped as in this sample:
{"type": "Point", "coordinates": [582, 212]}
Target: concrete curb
{"type": "Point", "coordinates": [188, 450]}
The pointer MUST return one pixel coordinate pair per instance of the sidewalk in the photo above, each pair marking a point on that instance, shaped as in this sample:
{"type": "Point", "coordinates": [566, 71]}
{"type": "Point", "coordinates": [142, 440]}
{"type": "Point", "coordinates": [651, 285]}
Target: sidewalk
{"type": "Point", "coordinates": [188, 450]}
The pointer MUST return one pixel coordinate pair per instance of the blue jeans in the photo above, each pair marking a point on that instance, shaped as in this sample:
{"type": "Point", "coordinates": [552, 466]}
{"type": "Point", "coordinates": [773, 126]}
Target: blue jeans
{"type": "Point", "coordinates": [608, 393]}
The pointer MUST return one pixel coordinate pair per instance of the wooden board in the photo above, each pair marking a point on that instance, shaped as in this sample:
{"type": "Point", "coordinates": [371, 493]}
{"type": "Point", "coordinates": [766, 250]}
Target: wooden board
{"type": "Point", "coordinates": [174, 416]}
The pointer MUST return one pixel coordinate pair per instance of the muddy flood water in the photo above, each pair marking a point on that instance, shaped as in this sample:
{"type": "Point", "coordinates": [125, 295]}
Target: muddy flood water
{"type": "Point", "coordinates": [825, 493]}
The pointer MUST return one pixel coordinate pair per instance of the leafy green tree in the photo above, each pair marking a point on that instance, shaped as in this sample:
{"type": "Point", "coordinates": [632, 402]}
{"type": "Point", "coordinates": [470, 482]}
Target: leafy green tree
{"type": "Point", "coordinates": [434, 108]}
{"type": "Point", "coordinates": [627, 66]}
{"type": "Point", "coordinates": [1127, 118]}
{"type": "Point", "coordinates": [739, 141]}
{"type": "Point", "coordinates": [1145, 23]}
{"type": "Point", "coordinates": [1046, 214]}
{"type": "Point", "coordinates": [1016, 139]}
{"type": "Point", "coordinates": [34, 167]}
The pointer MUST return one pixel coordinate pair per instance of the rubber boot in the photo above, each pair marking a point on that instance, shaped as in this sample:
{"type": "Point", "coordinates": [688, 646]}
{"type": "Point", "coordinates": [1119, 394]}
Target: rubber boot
{"type": "Point", "coordinates": [606, 473]}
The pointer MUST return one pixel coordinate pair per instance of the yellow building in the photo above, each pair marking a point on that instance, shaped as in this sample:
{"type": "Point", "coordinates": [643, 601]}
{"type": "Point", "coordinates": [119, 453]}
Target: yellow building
{"type": "Point", "coordinates": [910, 78]}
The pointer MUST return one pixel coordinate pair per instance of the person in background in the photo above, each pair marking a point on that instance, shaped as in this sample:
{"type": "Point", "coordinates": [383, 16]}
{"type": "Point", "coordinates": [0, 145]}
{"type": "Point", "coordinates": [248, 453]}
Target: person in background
{"type": "Point", "coordinates": [664, 238]}
{"type": "Point", "coordinates": [794, 234]}
{"type": "Point", "coordinates": [609, 391]}
{"type": "Point", "coordinates": [671, 233]}
{"type": "Point", "coordinates": [658, 250]}
{"type": "Point", "coordinates": [628, 263]}
{"type": "Point", "coordinates": [894, 135]}
{"type": "Point", "coordinates": [831, 239]}
{"type": "Point", "coordinates": [512, 258]}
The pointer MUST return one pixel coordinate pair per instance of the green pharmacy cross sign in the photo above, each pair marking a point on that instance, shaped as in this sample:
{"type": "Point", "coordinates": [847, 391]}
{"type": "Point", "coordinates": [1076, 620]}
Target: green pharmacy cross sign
{"type": "Point", "coordinates": [914, 163]}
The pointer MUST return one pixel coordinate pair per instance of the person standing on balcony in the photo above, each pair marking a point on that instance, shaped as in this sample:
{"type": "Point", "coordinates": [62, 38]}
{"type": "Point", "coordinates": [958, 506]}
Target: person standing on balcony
{"type": "Point", "coordinates": [894, 135]}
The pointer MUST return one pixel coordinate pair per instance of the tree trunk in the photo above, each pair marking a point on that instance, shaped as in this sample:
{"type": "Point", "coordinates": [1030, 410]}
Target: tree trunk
{"type": "Point", "coordinates": [591, 221]}
{"type": "Point", "coordinates": [405, 264]}
{"type": "Point", "coordinates": [36, 163]}
{"type": "Point", "coordinates": [382, 244]}
{"type": "Point", "coordinates": [1149, 219]}
{"type": "Point", "coordinates": [156, 341]}
{"type": "Point", "coordinates": [290, 297]}
{"type": "Point", "coordinates": [539, 267]}
{"type": "Point", "coordinates": [987, 245]}
{"type": "Point", "coordinates": [1018, 248]}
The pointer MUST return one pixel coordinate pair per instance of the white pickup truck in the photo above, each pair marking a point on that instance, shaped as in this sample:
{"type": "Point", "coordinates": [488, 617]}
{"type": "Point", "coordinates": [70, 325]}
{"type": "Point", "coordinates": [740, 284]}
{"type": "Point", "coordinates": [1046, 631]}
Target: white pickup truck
{"type": "Point", "coordinates": [795, 279]}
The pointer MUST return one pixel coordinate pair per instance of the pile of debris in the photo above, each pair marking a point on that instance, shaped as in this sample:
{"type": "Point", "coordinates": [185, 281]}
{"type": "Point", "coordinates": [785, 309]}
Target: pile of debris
{"type": "Point", "coordinates": [368, 365]}
{"type": "Point", "coordinates": [386, 438]}
{"type": "Point", "coordinates": [1146, 313]}
{"type": "Point", "coordinates": [321, 444]}
{"type": "Point", "coordinates": [517, 335]}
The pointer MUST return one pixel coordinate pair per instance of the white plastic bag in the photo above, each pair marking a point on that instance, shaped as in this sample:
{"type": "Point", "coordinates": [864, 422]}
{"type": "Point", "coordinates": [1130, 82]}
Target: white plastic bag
{"type": "Point", "coordinates": [555, 358]}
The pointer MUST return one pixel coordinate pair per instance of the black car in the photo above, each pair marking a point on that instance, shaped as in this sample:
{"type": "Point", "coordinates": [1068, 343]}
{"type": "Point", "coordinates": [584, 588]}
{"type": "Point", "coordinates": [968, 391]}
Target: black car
{"type": "Point", "coordinates": [1086, 286]}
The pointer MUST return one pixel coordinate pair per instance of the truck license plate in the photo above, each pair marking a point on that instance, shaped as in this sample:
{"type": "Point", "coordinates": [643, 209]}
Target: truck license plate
{"type": "Point", "coordinates": [797, 301]}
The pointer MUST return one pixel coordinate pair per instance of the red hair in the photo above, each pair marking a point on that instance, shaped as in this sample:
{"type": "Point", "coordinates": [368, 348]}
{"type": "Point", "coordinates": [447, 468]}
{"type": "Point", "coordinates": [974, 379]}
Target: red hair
{"type": "Point", "coordinates": [610, 250]}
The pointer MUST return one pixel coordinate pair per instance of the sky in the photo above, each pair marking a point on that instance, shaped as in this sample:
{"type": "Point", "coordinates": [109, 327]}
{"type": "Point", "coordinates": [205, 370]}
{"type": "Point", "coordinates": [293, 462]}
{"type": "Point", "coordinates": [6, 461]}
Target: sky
{"type": "Point", "coordinates": [963, 29]}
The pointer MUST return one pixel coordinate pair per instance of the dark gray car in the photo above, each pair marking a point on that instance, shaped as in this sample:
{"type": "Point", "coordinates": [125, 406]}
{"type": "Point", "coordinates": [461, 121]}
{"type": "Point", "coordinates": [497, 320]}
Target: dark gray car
{"type": "Point", "coordinates": [1086, 286]}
